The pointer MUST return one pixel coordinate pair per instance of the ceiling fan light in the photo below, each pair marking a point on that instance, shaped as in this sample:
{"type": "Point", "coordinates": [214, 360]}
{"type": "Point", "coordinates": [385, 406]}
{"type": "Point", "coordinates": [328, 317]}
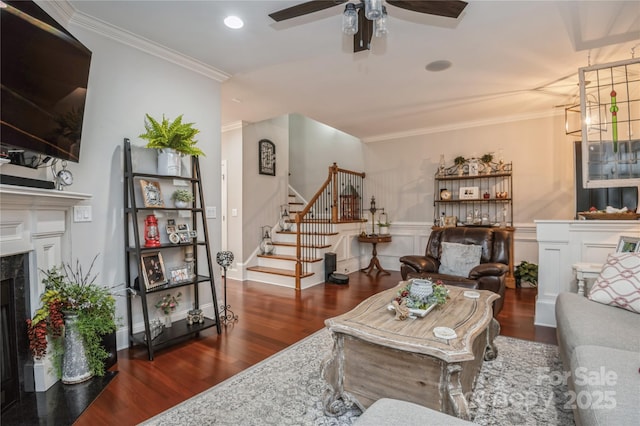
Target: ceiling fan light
{"type": "Point", "coordinates": [381, 29]}
{"type": "Point", "coordinates": [350, 20]}
{"type": "Point", "coordinates": [373, 9]}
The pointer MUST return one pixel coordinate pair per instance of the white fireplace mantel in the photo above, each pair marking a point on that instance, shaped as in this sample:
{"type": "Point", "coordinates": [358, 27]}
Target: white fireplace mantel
{"type": "Point", "coordinates": [12, 196]}
{"type": "Point", "coordinates": [37, 221]}
{"type": "Point", "coordinates": [563, 243]}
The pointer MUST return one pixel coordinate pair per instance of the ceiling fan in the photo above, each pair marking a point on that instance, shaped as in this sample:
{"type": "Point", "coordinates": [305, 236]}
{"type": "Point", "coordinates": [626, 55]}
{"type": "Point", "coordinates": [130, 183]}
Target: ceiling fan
{"type": "Point", "coordinates": [368, 12]}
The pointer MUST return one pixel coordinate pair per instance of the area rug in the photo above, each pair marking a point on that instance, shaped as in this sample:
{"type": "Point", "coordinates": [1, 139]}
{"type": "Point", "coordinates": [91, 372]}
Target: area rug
{"type": "Point", "coordinates": [286, 389]}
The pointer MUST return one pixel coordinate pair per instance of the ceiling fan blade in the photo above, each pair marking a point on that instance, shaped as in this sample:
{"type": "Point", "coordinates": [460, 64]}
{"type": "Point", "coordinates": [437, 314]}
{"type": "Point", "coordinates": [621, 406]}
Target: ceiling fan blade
{"type": "Point", "coordinates": [449, 9]}
{"type": "Point", "coordinates": [303, 9]}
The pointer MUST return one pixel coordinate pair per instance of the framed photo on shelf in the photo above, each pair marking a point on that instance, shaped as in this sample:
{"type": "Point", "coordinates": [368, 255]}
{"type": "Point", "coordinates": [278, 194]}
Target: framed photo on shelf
{"type": "Point", "coordinates": [266, 157]}
{"type": "Point", "coordinates": [179, 274]}
{"type": "Point", "coordinates": [153, 270]}
{"type": "Point", "coordinates": [185, 237]}
{"type": "Point", "coordinates": [628, 245]}
{"type": "Point", "coordinates": [450, 221]}
{"type": "Point", "coordinates": [151, 194]}
{"type": "Point", "coordinates": [469, 193]}
{"type": "Point", "coordinates": [171, 226]}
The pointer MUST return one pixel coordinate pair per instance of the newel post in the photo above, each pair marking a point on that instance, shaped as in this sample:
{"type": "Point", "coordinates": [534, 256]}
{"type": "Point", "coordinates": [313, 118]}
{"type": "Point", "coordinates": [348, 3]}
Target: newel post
{"type": "Point", "coordinates": [333, 172]}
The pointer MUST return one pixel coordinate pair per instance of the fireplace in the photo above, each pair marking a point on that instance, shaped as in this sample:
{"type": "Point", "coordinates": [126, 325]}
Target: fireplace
{"type": "Point", "coordinates": [14, 345]}
{"type": "Point", "coordinates": [34, 236]}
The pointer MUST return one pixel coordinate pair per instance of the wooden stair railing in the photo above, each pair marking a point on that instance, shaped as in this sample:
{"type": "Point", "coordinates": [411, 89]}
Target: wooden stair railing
{"type": "Point", "coordinates": [339, 200]}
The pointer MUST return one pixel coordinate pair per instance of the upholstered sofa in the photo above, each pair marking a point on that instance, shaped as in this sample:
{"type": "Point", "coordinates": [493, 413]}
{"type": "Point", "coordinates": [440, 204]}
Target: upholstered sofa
{"type": "Point", "coordinates": [390, 412]}
{"type": "Point", "coordinates": [480, 254]}
{"type": "Point", "coordinates": [600, 350]}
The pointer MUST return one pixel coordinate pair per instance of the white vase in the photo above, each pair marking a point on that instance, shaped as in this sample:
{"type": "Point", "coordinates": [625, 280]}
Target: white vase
{"type": "Point", "coordinates": [384, 230]}
{"type": "Point", "coordinates": [421, 288]}
{"type": "Point", "coordinates": [169, 162]}
{"type": "Point", "coordinates": [180, 204]}
{"type": "Point", "coordinates": [167, 320]}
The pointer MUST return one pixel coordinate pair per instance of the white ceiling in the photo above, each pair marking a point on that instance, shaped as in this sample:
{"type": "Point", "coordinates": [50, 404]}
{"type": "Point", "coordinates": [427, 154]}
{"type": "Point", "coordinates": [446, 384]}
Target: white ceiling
{"type": "Point", "coordinates": [510, 58]}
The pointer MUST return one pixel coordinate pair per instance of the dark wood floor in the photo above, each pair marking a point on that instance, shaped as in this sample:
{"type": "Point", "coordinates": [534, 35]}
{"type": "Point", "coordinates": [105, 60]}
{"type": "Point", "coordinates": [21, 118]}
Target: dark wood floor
{"type": "Point", "coordinates": [270, 319]}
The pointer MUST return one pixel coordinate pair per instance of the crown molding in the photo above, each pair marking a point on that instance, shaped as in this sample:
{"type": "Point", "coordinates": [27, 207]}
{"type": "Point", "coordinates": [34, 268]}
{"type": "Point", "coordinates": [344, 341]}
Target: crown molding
{"type": "Point", "coordinates": [232, 126]}
{"type": "Point", "coordinates": [460, 126]}
{"type": "Point", "coordinates": [66, 14]}
{"type": "Point", "coordinates": [61, 11]}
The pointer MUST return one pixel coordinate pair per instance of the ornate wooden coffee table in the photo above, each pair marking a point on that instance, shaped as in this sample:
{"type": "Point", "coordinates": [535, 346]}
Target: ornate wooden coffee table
{"type": "Point", "coordinates": [374, 356]}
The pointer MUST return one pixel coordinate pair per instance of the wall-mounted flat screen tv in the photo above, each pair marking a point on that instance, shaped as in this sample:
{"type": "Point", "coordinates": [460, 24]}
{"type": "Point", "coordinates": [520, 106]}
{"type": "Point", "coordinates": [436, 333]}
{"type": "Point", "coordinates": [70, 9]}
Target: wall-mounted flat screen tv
{"type": "Point", "coordinates": [44, 74]}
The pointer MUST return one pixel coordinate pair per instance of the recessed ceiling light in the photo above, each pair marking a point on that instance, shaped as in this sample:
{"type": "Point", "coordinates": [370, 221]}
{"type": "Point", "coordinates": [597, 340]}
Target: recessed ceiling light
{"type": "Point", "coordinates": [440, 65]}
{"type": "Point", "coordinates": [233, 22]}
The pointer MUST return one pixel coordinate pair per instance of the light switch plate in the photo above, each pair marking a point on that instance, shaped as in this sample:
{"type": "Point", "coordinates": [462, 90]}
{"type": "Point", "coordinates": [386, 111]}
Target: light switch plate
{"type": "Point", "coordinates": [82, 214]}
{"type": "Point", "coordinates": [211, 212]}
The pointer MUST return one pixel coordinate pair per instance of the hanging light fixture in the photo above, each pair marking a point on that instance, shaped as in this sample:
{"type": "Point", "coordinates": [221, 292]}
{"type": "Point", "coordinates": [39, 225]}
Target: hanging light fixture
{"type": "Point", "coordinates": [350, 19]}
{"type": "Point", "coordinates": [593, 117]}
{"type": "Point", "coordinates": [373, 11]}
{"type": "Point", "coordinates": [381, 24]}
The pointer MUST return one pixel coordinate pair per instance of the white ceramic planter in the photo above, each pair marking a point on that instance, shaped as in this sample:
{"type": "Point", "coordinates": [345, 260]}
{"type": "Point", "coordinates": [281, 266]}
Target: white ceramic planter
{"type": "Point", "coordinates": [169, 162]}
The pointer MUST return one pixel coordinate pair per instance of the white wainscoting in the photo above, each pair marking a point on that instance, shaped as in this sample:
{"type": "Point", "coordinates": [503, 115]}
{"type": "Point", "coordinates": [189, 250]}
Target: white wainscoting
{"type": "Point", "coordinates": [564, 243]}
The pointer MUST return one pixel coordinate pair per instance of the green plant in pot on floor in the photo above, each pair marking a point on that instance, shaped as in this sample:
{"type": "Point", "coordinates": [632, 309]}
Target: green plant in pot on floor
{"type": "Point", "coordinates": [74, 314]}
{"type": "Point", "coordinates": [172, 139]}
{"type": "Point", "coordinates": [526, 272]}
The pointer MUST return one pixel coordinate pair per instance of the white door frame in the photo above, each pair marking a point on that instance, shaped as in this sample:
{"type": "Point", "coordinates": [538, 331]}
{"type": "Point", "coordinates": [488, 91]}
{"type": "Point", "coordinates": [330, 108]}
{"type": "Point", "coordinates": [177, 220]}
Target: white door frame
{"type": "Point", "coordinates": [223, 205]}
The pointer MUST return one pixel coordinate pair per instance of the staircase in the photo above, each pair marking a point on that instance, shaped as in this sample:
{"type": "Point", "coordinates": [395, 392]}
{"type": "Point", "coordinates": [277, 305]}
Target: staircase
{"type": "Point", "coordinates": [298, 256]}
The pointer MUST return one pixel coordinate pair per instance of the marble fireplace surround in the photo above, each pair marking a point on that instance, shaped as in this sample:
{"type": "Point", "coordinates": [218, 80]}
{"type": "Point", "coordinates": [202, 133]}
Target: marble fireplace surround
{"type": "Point", "coordinates": [37, 222]}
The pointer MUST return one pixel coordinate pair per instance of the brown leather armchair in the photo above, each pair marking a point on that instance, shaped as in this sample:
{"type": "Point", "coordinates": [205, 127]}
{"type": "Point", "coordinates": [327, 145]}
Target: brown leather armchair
{"type": "Point", "coordinates": [488, 275]}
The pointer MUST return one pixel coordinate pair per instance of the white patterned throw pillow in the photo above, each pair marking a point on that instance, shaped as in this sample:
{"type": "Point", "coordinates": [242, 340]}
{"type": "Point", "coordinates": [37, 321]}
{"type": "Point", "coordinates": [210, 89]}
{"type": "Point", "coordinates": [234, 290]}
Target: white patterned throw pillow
{"type": "Point", "coordinates": [619, 282]}
{"type": "Point", "coordinates": [459, 259]}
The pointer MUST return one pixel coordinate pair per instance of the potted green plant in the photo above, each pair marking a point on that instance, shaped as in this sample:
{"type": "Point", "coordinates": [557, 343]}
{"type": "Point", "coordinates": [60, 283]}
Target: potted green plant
{"type": "Point", "coordinates": [172, 139]}
{"type": "Point", "coordinates": [460, 161]}
{"type": "Point", "coordinates": [181, 198]}
{"type": "Point", "coordinates": [74, 315]}
{"type": "Point", "coordinates": [383, 228]}
{"type": "Point", "coordinates": [486, 160]}
{"type": "Point", "coordinates": [526, 272]}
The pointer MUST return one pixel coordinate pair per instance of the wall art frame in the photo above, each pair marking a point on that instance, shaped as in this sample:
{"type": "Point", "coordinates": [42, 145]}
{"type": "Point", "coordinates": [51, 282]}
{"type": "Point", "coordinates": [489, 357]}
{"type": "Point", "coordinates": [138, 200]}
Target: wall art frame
{"type": "Point", "coordinates": [153, 272]}
{"type": "Point", "coordinates": [151, 193]}
{"type": "Point", "coordinates": [180, 274]}
{"type": "Point", "coordinates": [628, 245]}
{"type": "Point", "coordinates": [266, 157]}
{"type": "Point", "coordinates": [469, 193]}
